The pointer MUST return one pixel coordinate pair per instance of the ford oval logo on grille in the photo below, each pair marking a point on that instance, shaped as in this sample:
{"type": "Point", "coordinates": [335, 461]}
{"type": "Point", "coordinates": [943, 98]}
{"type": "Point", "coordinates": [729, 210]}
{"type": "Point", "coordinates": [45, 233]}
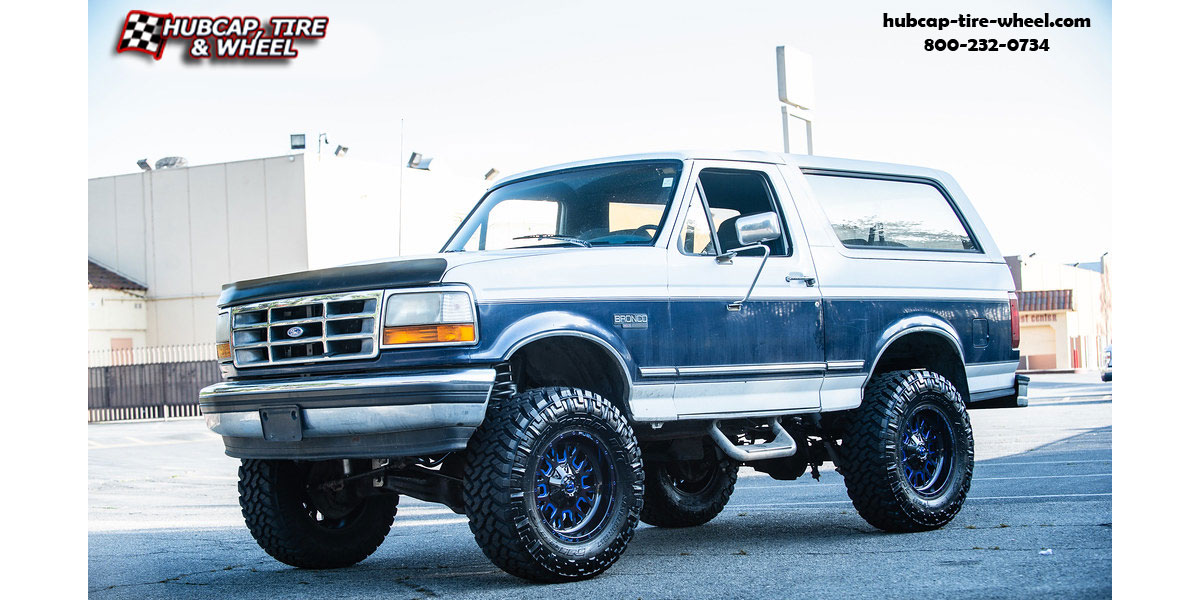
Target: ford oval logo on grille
{"type": "Point", "coordinates": [295, 332]}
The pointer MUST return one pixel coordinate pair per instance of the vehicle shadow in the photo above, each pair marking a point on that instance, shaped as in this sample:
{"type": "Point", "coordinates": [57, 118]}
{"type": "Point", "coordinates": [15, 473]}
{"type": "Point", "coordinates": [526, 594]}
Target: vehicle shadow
{"type": "Point", "coordinates": [418, 565]}
{"type": "Point", "coordinates": [443, 559]}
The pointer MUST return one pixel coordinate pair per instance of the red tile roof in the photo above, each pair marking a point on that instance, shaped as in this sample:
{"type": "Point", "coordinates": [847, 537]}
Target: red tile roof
{"type": "Point", "coordinates": [1045, 300]}
{"type": "Point", "coordinates": [102, 278]}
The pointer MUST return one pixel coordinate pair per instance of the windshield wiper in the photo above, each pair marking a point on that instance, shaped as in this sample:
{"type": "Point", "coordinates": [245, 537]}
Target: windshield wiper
{"type": "Point", "coordinates": [551, 236]}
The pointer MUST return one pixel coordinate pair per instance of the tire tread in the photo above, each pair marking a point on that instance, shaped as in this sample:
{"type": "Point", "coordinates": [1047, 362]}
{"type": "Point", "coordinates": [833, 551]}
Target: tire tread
{"type": "Point", "coordinates": [873, 486]}
{"type": "Point", "coordinates": [265, 496]}
{"type": "Point", "coordinates": [498, 447]}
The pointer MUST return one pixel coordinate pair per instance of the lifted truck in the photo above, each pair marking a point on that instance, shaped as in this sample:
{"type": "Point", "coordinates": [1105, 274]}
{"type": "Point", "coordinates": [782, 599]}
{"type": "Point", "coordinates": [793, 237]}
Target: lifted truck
{"type": "Point", "coordinates": [607, 342]}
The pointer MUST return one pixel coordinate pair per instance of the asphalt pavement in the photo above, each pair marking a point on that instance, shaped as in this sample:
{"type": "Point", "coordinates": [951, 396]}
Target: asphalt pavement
{"type": "Point", "coordinates": [164, 521]}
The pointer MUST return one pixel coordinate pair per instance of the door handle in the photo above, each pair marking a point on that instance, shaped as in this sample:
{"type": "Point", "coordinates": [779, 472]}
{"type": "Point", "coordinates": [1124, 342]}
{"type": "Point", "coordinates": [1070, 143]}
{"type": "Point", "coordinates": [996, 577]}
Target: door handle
{"type": "Point", "coordinates": [797, 276]}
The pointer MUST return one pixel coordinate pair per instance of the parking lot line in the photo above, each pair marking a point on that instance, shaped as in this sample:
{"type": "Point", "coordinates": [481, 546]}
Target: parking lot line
{"type": "Point", "coordinates": [1109, 474]}
{"type": "Point", "coordinates": [969, 498]}
{"type": "Point", "coordinates": [92, 445]}
{"type": "Point", "coordinates": [1042, 462]}
{"type": "Point", "coordinates": [1014, 477]}
{"type": "Point", "coordinates": [428, 522]}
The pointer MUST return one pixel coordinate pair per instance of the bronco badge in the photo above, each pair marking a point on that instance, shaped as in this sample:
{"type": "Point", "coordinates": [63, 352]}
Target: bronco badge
{"type": "Point", "coordinates": [631, 320]}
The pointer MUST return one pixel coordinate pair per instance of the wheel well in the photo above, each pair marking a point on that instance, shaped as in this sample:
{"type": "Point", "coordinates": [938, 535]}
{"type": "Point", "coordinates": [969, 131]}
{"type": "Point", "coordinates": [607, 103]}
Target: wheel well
{"type": "Point", "coordinates": [925, 350]}
{"type": "Point", "coordinates": [573, 362]}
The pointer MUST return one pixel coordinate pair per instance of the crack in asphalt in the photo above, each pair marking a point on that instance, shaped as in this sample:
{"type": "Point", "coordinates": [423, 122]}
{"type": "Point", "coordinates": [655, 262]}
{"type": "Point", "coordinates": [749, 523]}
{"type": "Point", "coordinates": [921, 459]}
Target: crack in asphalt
{"type": "Point", "coordinates": [175, 579]}
{"type": "Point", "coordinates": [426, 592]}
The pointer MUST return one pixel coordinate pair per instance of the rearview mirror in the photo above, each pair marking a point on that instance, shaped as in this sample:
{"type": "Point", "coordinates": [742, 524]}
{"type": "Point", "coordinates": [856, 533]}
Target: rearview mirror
{"type": "Point", "coordinates": [757, 228]}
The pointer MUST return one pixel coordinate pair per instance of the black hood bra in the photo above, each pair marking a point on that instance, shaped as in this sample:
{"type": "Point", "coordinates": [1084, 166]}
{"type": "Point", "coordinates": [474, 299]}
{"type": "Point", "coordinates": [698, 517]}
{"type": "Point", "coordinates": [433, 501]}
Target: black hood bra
{"type": "Point", "coordinates": [336, 279]}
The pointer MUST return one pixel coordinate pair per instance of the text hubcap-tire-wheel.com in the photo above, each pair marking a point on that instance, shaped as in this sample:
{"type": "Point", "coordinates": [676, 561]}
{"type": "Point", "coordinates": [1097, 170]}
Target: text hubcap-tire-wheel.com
{"type": "Point", "coordinates": [926, 451]}
{"type": "Point", "coordinates": [573, 486]}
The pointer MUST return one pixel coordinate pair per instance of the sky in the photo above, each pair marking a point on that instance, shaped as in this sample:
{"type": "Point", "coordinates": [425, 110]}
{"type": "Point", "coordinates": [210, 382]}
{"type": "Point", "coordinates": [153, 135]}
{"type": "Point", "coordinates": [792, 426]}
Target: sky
{"type": "Point", "coordinates": [518, 85]}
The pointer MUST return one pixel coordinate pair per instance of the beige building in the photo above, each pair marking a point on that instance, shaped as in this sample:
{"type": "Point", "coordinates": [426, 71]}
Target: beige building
{"type": "Point", "coordinates": [116, 310]}
{"type": "Point", "coordinates": [1065, 312]}
{"type": "Point", "coordinates": [184, 232]}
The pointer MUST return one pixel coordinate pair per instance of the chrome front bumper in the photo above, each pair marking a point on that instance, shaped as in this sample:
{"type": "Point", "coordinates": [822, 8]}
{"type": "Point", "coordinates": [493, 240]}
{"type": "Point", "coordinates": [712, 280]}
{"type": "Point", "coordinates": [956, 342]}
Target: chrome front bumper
{"type": "Point", "coordinates": [403, 414]}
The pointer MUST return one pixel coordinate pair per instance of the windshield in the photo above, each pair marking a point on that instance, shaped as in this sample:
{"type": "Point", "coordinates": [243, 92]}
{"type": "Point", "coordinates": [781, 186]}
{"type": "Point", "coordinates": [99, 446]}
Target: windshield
{"type": "Point", "coordinates": [622, 204]}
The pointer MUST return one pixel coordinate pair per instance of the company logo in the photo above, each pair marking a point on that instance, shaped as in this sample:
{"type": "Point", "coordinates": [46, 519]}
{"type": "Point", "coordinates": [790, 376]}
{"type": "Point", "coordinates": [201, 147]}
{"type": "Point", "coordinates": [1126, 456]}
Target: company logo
{"type": "Point", "coordinates": [295, 332]}
{"type": "Point", "coordinates": [219, 37]}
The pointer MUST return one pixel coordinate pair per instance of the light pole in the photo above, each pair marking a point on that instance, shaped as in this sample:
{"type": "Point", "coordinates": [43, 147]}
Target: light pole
{"type": "Point", "coordinates": [795, 76]}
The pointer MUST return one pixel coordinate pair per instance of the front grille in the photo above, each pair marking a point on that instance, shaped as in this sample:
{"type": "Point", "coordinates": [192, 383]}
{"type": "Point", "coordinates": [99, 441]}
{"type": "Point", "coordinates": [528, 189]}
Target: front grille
{"type": "Point", "coordinates": [308, 329]}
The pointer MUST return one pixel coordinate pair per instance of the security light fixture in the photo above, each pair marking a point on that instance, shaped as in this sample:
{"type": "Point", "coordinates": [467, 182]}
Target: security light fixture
{"type": "Point", "coordinates": [419, 161]}
{"type": "Point", "coordinates": [298, 141]}
{"type": "Point", "coordinates": [341, 150]}
{"type": "Point", "coordinates": [490, 175]}
{"type": "Point", "coordinates": [143, 164]}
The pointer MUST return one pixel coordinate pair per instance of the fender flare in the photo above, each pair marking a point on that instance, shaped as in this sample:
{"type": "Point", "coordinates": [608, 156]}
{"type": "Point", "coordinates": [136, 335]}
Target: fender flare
{"type": "Point", "coordinates": [544, 325]}
{"type": "Point", "coordinates": [910, 324]}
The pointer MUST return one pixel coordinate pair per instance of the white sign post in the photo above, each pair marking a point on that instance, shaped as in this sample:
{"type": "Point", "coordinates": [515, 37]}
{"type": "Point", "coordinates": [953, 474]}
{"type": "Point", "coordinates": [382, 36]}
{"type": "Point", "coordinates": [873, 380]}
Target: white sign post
{"type": "Point", "coordinates": [795, 73]}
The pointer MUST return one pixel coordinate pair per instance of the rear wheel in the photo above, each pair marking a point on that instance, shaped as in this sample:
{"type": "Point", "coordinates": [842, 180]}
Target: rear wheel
{"type": "Point", "coordinates": [553, 484]}
{"type": "Point", "coordinates": [688, 493]}
{"type": "Point", "coordinates": [301, 515]}
{"type": "Point", "coordinates": [908, 452]}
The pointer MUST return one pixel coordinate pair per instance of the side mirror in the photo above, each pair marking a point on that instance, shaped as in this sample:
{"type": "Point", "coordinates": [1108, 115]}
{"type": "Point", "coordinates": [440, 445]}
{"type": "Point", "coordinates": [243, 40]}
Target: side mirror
{"type": "Point", "coordinates": [757, 228]}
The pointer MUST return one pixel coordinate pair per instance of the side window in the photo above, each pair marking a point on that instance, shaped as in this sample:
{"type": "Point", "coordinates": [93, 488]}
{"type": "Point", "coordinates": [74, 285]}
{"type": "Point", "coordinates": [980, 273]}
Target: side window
{"type": "Point", "coordinates": [888, 214]}
{"type": "Point", "coordinates": [729, 194]}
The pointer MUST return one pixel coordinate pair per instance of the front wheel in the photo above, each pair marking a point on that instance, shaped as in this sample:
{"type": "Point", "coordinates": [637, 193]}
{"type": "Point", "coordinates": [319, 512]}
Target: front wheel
{"type": "Point", "coordinates": [301, 514]}
{"type": "Point", "coordinates": [553, 484]}
{"type": "Point", "coordinates": [908, 452]}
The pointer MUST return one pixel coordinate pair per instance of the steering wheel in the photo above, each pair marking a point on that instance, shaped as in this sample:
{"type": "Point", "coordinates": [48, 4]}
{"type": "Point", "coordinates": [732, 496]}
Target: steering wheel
{"type": "Point", "coordinates": [647, 227]}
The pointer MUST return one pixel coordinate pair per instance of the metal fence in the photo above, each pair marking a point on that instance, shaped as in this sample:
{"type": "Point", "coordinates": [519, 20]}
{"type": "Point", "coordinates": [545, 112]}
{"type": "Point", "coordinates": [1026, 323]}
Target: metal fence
{"type": "Point", "coordinates": [149, 383]}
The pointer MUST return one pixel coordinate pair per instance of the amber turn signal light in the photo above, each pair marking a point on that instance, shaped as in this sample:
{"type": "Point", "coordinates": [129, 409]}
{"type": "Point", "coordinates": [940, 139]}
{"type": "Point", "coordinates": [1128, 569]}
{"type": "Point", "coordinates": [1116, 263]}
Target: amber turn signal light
{"type": "Point", "coordinates": [223, 352]}
{"type": "Point", "coordinates": [429, 334]}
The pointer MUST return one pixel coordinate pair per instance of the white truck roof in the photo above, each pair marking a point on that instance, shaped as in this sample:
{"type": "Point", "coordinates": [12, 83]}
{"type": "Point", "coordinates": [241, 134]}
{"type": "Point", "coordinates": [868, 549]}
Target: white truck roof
{"type": "Point", "coordinates": [798, 160]}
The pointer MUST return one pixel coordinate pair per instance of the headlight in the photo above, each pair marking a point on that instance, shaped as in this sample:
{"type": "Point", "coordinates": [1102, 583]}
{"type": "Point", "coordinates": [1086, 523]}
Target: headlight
{"type": "Point", "coordinates": [223, 351]}
{"type": "Point", "coordinates": [429, 318]}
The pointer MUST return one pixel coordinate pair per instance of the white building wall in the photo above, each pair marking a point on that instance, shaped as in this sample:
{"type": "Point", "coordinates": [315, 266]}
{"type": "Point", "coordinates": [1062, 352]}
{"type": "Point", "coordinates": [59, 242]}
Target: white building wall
{"type": "Point", "coordinates": [186, 232]}
{"type": "Point", "coordinates": [360, 210]}
{"type": "Point", "coordinates": [435, 202]}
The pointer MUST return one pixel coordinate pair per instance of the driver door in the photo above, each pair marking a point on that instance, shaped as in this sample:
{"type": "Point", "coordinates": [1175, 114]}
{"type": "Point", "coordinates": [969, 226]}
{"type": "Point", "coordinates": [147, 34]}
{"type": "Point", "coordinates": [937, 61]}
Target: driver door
{"type": "Point", "coordinates": [768, 356]}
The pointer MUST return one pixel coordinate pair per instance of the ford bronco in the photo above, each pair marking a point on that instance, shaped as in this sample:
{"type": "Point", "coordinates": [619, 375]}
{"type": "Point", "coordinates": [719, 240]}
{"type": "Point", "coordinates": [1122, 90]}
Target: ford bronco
{"type": "Point", "coordinates": [609, 341]}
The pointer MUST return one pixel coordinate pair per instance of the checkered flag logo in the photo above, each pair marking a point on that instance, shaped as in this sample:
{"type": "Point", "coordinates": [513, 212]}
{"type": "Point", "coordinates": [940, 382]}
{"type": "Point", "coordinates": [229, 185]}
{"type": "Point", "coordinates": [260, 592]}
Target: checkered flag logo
{"type": "Point", "coordinates": [143, 33]}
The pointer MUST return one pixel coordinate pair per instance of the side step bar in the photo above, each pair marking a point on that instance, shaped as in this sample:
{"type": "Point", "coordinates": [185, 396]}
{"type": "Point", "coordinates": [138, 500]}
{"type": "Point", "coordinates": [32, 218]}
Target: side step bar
{"type": "Point", "coordinates": [782, 446]}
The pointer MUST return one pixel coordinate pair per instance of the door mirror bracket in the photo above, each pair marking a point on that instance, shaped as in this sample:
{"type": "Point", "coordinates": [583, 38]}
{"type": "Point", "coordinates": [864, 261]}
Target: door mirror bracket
{"type": "Point", "coordinates": [728, 256]}
{"type": "Point", "coordinates": [752, 232]}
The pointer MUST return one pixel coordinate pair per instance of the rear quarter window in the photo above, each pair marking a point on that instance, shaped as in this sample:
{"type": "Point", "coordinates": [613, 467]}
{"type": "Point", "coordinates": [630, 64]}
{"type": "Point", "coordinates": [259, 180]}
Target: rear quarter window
{"type": "Point", "coordinates": [888, 214]}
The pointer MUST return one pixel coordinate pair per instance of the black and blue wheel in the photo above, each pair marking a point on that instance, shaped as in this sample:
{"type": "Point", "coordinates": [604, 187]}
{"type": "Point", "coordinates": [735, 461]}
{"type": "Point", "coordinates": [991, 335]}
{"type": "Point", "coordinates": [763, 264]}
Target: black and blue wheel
{"type": "Point", "coordinates": [688, 493]}
{"type": "Point", "coordinates": [553, 484]}
{"type": "Point", "coordinates": [573, 487]}
{"type": "Point", "coordinates": [927, 450]}
{"type": "Point", "coordinates": [908, 453]}
{"type": "Point", "coordinates": [300, 519]}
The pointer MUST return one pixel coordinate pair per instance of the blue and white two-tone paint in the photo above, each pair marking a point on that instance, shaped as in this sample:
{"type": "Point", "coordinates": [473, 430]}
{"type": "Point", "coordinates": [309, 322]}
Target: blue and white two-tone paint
{"type": "Point", "coordinates": [819, 320]}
